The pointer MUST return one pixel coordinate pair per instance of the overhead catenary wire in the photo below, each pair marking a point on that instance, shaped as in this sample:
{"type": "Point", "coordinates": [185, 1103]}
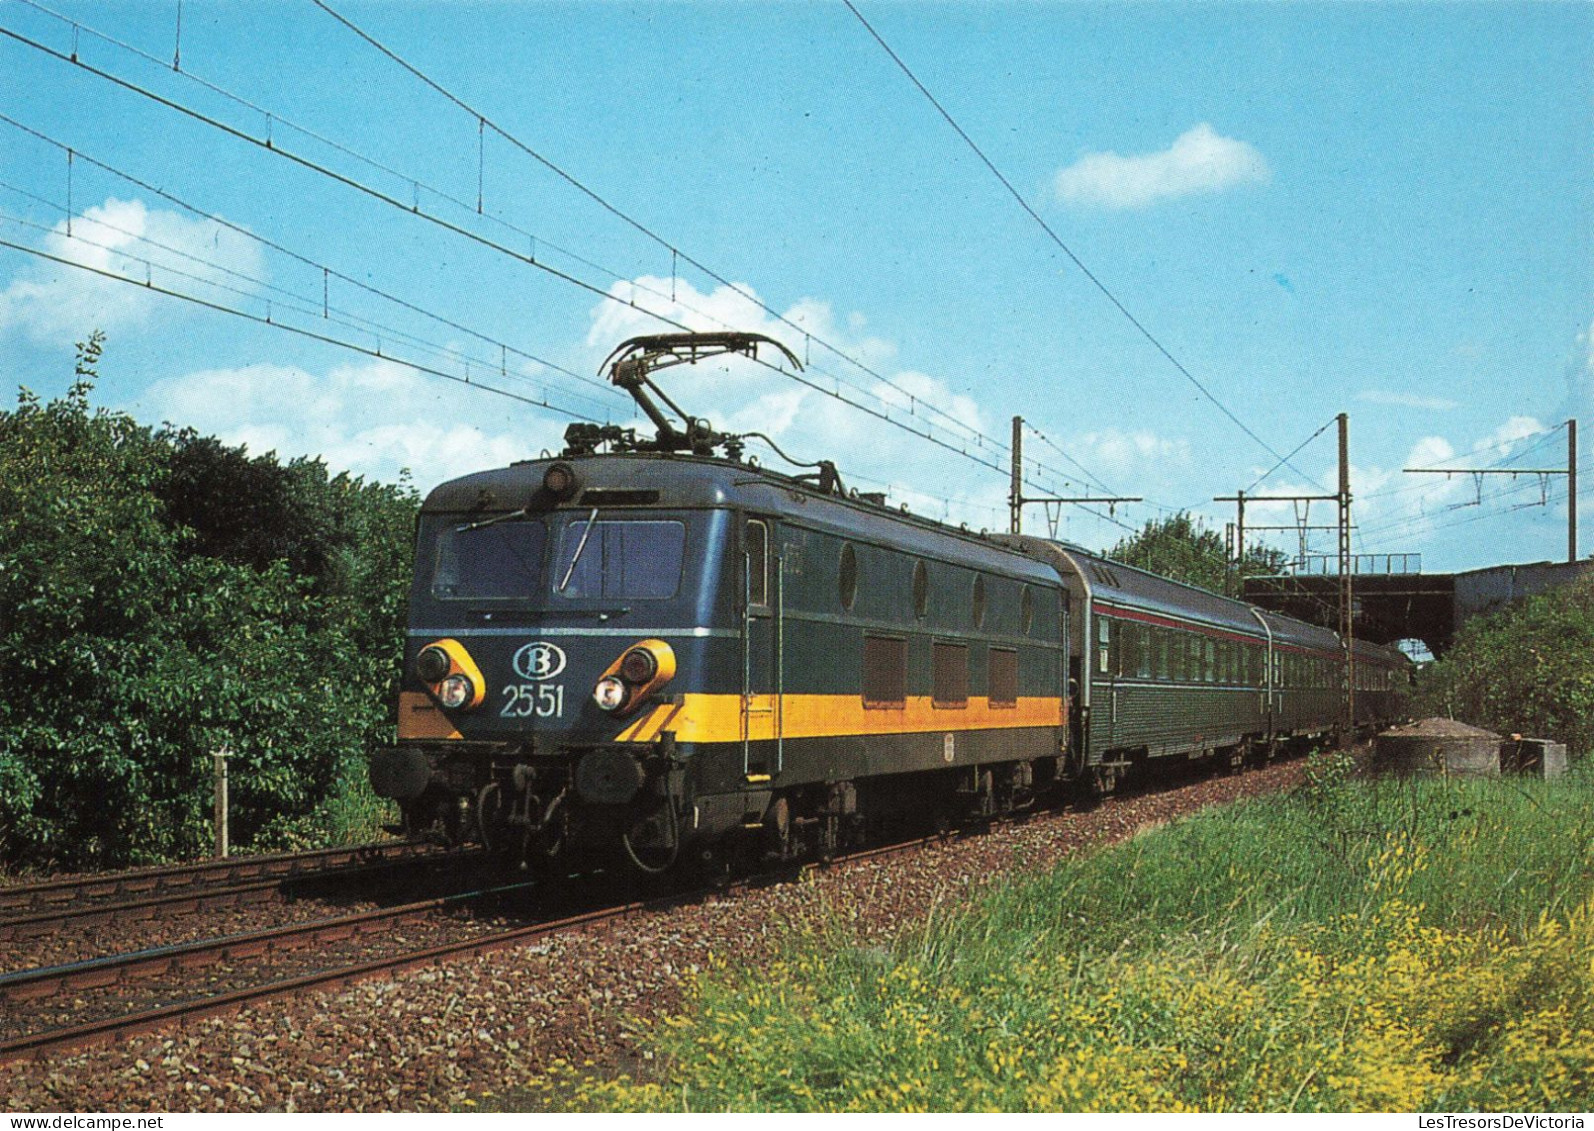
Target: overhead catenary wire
{"type": "Point", "coordinates": [155, 288]}
{"type": "Point", "coordinates": [1429, 521]}
{"type": "Point", "coordinates": [1544, 435]}
{"type": "Point", "coordinates": [1283, 460]}
{"type": "Point", "coordinates": [483, 121]}
{"type": "Point", "coordinates": [264, 241]}
{"type": "Point", "coordinates": [675, 250]}
{"type": "Point", "coordinates": [277, 121]}
{"type": "Point", "coordinates": [270, 145]}
{"type": "Point", "coordinates": [1051, 234]}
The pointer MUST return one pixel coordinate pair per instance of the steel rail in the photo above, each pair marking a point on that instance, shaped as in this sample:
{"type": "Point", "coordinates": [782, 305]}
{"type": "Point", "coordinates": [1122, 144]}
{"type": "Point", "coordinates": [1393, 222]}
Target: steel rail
{"type": "Point", "coordinates": [95, 973]}
{"type": "Point", "coordinates": [195, 901]}
{"type": "Point", "coordinates": [164, 876]}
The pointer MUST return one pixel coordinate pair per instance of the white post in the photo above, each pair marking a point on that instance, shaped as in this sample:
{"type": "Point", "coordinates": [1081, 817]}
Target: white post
{"type": "Point", "coordinates": [219, 776]}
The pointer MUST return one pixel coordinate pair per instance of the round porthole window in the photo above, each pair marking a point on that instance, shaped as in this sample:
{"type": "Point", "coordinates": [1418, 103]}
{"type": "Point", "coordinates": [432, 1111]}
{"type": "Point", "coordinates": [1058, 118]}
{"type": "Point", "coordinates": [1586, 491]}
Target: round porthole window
{"type": "Point", "coordinates": [921, 590]}
{"type": "Point", "coordinates": [848, 576]}
{"type": "Point", "coordinates": [979, 601]}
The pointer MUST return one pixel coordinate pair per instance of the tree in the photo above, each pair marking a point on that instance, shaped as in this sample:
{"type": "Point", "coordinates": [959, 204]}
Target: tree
{"type": "Point", "coordinates": [1181, 547]}
{"type": "Point", "coordinates": [1526, 669]}
{"type": "Point", "coordinates": [161, 595]}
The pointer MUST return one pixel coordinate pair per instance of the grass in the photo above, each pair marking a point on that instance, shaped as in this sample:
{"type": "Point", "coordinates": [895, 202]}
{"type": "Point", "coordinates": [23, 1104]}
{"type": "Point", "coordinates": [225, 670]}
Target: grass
{"type": "Point", "coordinates": [1356, 945]}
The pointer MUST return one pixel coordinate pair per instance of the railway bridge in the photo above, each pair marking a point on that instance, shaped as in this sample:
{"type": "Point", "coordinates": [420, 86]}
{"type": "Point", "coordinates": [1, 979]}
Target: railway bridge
{"type": "Point", "coordinates": [1409, 604]}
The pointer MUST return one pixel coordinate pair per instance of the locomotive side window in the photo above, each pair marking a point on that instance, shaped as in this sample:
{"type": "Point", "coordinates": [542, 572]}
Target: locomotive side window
{"type": "Point", "coordinates": [951, 674]}
{"type": "Point", "coordinates": [1003, 684]}
{"type": "Point", "coordinates": [885, 671]}
{"type": "Point", "coordinates": [847, 576]}
{"type": "Point", "coordinates": [499, 561]}
{"type": "Point", "coordinates": [1103, 645]}
{"type": "Point", "coordinates": [979, 601]}
{"type": "Point", "coordinates": [1026, 611]}
{"type": "Point", "coordinates": [757, 563]}
{"type": "Point", "coordinates": [921, 590]}
{"type": "Point", "coordinates": [631, 559]}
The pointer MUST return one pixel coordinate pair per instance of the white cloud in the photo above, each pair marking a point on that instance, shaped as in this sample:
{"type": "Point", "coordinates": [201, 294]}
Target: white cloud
{"type": "Point", "coordinates": [1406, 400]}
{"type": "Point", "coordinates": [1199, 161]}
{"type": "Point", "coordinates": [370, 418]}
{"type": "Point", "coordinates": [1112, 452]}
{"type": "Point", "coordinates": [51, 302]}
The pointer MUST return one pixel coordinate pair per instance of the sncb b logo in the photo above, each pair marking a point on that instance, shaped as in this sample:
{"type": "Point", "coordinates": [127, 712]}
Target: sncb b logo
{"type": "Point", "coordinates": [539, 660]}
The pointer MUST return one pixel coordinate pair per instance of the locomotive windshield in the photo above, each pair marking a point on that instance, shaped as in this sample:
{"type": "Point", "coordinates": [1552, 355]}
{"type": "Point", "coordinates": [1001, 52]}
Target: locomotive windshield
{"type": "Point", "coordinates": [629, 559]}
{"type": "Point", "coordinates": [592, 557]}
{"type": "Point", "coordinates": [496, 561]}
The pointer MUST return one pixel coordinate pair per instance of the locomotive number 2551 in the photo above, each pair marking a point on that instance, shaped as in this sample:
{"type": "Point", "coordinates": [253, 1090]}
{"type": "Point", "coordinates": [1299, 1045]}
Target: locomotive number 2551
{"type": "Point", "coordinates": [524, 700]}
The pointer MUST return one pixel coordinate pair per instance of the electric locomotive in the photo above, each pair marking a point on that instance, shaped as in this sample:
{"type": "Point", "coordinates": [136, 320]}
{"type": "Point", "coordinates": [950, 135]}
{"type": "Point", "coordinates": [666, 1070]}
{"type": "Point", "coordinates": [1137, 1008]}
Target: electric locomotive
{"type": "Point", "coordinates": [664, 650]}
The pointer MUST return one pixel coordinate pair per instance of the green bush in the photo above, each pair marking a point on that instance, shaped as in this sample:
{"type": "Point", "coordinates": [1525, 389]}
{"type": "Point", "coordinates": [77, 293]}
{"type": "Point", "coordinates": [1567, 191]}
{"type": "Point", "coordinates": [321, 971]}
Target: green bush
{"type": "Point", "coordinates": [1527, 669]}
{"type": "Point", "coordinates": [161, 596]}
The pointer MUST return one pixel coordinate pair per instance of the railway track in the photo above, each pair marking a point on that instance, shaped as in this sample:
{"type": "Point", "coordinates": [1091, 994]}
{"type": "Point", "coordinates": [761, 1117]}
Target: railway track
{"type": "Point", "coordinates": [23, 988]}
{"type": "Point", "coordinates": [32, 910]}
{"type": "Point", "coordinates": [206, 873]}
{"type": "Point", "coordinates": [28, 988]}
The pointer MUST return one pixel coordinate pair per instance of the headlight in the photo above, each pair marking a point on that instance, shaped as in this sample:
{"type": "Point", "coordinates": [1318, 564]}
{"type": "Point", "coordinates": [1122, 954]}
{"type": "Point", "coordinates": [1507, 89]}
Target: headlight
{"type": "Point", "coordinates": [560, 481]}
{"type": "Point", "coordinates": [456, 691]}
{"type": "Point", "coordinates": [432, 665]}
{"type": "Point", "coordinates": [609, 694]}
{"type": "Point", "coordinates": [639, 666]}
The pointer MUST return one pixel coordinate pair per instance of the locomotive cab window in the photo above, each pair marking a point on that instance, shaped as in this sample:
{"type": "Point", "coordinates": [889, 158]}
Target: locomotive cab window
{"type": "Point", "coordinates": [499, 561]}
{"type": "Point", "coordinates": [627, 559]}
{"type": "Point", "coordinates": [757, 549]}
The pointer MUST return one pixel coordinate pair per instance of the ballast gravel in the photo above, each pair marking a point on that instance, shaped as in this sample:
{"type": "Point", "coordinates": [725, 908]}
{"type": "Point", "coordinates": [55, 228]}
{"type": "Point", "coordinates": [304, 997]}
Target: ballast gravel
{"type": "Point", "coordinates": [460, 1035]}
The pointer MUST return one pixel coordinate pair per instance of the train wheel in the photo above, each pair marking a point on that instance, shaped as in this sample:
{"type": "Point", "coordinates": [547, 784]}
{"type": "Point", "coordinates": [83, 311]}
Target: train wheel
{"type": "Point", "coordinates": [777, 830]}
{"type": "Point", "coordinates": [1104, 780]}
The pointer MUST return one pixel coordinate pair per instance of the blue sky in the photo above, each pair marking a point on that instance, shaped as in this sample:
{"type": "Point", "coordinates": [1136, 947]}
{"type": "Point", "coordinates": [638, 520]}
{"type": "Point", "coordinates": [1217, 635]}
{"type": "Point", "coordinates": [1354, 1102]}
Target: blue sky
{"type": "Point", "coordinates": [1381, 209]}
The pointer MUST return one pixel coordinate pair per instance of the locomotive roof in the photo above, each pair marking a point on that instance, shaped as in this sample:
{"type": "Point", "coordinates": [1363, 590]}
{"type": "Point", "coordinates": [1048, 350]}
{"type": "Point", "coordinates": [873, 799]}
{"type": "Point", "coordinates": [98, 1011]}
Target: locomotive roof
{"type": "Point", "coordinates": [691, 482]}
{"type": "Point", "coordinates": [695, 482]}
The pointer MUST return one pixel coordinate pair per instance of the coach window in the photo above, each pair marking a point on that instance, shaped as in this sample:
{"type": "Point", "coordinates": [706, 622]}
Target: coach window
{"type": "Point", "coordinates": [1162, 637]}
{"type": "Point", "coordinates": [847, 576]}
{"type": "Point", "coordinates": [757, 563]}
{"type": "Point", "coordinates": [921, 590]}
{"type": "Point", "coordinates": [979, 601]}
{"type": "Point", "coordinates": [1103, 645]}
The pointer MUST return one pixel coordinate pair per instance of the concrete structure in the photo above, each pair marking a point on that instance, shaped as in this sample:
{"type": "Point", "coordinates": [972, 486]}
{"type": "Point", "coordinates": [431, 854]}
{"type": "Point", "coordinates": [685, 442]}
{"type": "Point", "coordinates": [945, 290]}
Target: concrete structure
{"type": "Point", "coordinates": [1411, 606]}
{"type": "Point", "coordinates": [1539, 757]}
{"type": "Point", "coordinates": [1423, 749]}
